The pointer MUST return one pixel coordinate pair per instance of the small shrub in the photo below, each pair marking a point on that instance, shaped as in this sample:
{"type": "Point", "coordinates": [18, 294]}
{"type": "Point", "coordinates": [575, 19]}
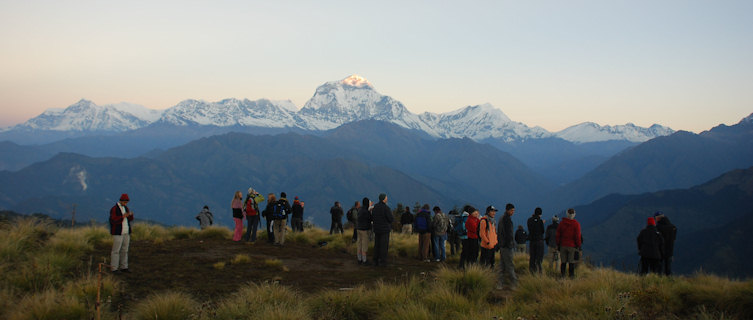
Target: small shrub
{"type": "Point", "coordinates": [182, 232]}
{"type": "Point", "coordinates": [273, 264]}
{"type": "Point", "coordinates": [85, 288]}
{"type": "Point", "coordinates": [166, 306]}
{"type": "Point", "coordinates": [71, 241]}
{"type": "Point", "coordinates": [409, 311]}
{"type": "Point", "coordinates": [251, 300]}
{"type": "Point", "coordinates": [214, 232]}
{"type": "Point", "coordinates": [49, 304]}
{"type": "Point", "coordinates": [240, 259]}
{"type": "Point", "coordinates": [97, 235]}
{"type": "Point", "coordinates": [355, 304]}
{"type": "Point", "coordinates": [475, 282]}
{"type": "Point", "coordinates": [150, 232]}
{"type": "Point", "coordinates": [219, 265]}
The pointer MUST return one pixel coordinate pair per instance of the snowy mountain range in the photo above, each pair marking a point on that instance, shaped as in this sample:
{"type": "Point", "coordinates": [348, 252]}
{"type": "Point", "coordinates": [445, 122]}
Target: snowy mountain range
{"type": "Point", "coordinates": [334, 103]}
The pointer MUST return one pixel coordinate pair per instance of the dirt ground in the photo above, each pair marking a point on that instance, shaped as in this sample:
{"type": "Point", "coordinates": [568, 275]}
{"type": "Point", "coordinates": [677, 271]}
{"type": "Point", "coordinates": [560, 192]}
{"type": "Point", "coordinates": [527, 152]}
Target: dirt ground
{"type": "Point", "coordinates": [188, 265]}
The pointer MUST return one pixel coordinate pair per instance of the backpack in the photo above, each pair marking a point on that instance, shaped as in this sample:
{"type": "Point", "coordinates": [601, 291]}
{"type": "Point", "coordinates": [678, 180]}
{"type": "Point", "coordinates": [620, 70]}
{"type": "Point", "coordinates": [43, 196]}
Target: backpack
{"type": "Point", "coordinates": [460, 225]}
{"type": "Point", "coordinates": [352, 214]}
{"type": "Point", "coordinates": [278, 211]}
{"type": "Point", "coordinates": [440, 223]}
{"type": "Point", "coordinates": [251, 208]}
{"type": "Point", "coordinates": [421, 224]}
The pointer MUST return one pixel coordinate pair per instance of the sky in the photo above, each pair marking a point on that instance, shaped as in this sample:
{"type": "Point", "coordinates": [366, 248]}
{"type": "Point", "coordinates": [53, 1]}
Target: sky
{"type": "Point", "coordinates": [683, 64]}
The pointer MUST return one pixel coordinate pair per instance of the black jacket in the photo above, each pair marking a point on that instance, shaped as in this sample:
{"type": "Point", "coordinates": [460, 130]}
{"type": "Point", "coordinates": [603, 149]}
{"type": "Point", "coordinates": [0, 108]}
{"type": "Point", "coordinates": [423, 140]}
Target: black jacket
{"type": "Point", "coordinates": [521, 236]}
{"type": "Point", "coordinates": [337, 213]}
{"type": "Point", "coordinates": [551, 235]}
{"type": "Point", "coordinates": [668, 232]}
{"type": "Point", "coordinates": [535, 228]}
{"type": "Point", "coordinates": [406, 218]}
{"type": "Point", "coordinates": [650, 243]}
{"type": "Point", "coordinates": [297, 210]}
{"type": "Point", "coordinates": [505, 232]}
{"type": "Point", "coordinates": [364, 219]}
{"type": "Point", "coordinates": [382, 217]}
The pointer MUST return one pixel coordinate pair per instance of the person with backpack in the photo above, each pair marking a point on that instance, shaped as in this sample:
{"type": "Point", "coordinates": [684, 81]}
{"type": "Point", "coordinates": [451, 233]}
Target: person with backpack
{"type": "Point", "coordinates": [536, 241]}
{"type": "Point", "coordinates": [551, 242]}
{"type": "Point", "coordinates": [488, 235]}
{"type": "Point", "coordinates": [440, 225]}
{"type": "Point", "coordinates": [252, 214]}
{"type": "Point", "coordinates": [280, 217]}
{"type": "Point", "coordinates": [521, 237]}
{"type": "Point", "coordinates": [454, 238]}
{"type": "Point", "coordinates": [267, 214]}
{"type": "Point", "coordinates": [569, 240]}
{"type": "Point", "coordinates": [120, 229]}
{"type": "Point", "coordinates": [237, 206]}
{"type": "Point", "coordinates": [469, 255]}
{"type": "Point", "coordinates": [296, 221]}
{"type": "Point", "coordinates": [353, 219]}
{"type": "Point", "coordinates": [205, 218]}
{"type": "Point", "coordinates": [422, 225]}
{"type": "Point", "coordinates": [382, 223]}
{"type": "Point", "coordinates": [363, 225]}
{"type": "Point", "coordinates": [506, 249]}
{"type": "Point", "coordinates": [337, 218]}
{"type": "Point", "coordinates": [462, 233]}
{"type": "Point", "coordinates": [406, 221]}
{"type": "Point", "coordinates": [669, 233]}
{"type": "Point", "coordinates": [650, 248]}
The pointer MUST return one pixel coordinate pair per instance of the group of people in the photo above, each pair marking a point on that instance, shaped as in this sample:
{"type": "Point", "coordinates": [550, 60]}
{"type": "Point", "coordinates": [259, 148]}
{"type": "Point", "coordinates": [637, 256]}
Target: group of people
{"type": "Point", "coordinates": [656, 245]}
{"type": "Point", "coordinates": [276, 213]}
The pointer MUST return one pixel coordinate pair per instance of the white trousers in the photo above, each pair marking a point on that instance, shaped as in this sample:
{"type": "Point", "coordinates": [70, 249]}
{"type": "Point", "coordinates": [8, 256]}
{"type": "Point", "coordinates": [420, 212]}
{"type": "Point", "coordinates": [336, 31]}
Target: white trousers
{"type": "Point", "coordinates": [119, 254]}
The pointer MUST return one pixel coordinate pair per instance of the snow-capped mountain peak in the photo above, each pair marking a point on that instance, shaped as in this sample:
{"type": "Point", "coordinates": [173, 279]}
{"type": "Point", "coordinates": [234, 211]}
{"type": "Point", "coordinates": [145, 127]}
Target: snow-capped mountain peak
{"type": "Point", "coordinates": [592, 132]}
{"type": "Point", "coordinates": [749, 119]}
{"type": "Point", "coordinates": [85, 115]}
{"type": "Point", "coordinates": [480, 122]}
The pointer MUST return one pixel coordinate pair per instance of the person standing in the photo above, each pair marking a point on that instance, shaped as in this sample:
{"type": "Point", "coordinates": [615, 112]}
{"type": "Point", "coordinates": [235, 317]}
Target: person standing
{"type": "Point", "coordinates": [650, 248]}
{"type": "Point", "coordinates": [267, 213]}
{"type": "Point", "coordinates": [488, 233]}
{"type": "Point", "coordinates": [536, 240]}
{"type": "Point", "coordinates": [296, 222]}
{"type": "Point", "coordinates": [252, 214]}
{"type": "Point", "coordinates": [521, 236]}
{"type": "Point", "coordinates": [453, 237]}
{"type": "Point", "coordinates": [440, 226]}
{"type": "Point", "coordinates": [237, 206]}
{"type": "Point", "coordinates": [423, 228]}
{"type": "Point", "coordinates": [469, 255]}
{"type": "Point", "coordinates": [569, 240]}
{"type": "Point", "coordinates": [205, 218]}
{"type": "Point", "coordinates": [352, 217]}
{"type": "Point", "coordinates": [382, 217]}
{"type": "Point", "coordinates": [669, 233]}
{"type": "Point", "coordinates": [551, 242]}
{"type": "Point", "coordinates": [363, 224]}
{"type": "Point", "coordinates": [120, 229]}
{"type": "Point", "coordinates": [337, 218]}
{"type": "Point", "coordinates": [406, 221]}
{"type": "Point", "coordinates": [507, 246]}
{"type": "Point", "coordinates": [280, 216]}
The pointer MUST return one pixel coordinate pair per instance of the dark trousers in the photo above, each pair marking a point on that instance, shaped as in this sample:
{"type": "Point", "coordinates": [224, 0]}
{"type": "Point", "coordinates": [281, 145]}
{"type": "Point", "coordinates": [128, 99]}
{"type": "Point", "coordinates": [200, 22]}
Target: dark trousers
{"type": "Point", "coordinates": [536, 256]}
{"type": "Point", "coordinates": [454, 244]}
{"type": "Point", "coordinates": [270, 232]}
{"type": "Point", "coordinates": [355, 233]}
{"type": "Point", "coordinates": [252, 226]}
{"type": "Point", "coordinates": [667, 266]}
{"type": "Point", "coordinates": [487, 257]}
{"type": "Point", "coordinates": [381, 246]}
{"type": "Point", "coordinates": [337, 226]}
{"type": "Point", "coordinates": [296, 223]}
{"type": "Point", "coordinates": [469, 253]}
{"type": "Point", "coordinates": [653, 265]}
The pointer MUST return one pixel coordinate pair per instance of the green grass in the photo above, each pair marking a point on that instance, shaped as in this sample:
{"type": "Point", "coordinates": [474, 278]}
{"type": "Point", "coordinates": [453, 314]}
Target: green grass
{"type": "Point", "coordinates": [166, 306]}
{"type": "Point", "coordinates": [48, 304]}
{"type": "Point", "coordinates": [241, 259]}
{"type": "Point", "coordinates": [254, 300]}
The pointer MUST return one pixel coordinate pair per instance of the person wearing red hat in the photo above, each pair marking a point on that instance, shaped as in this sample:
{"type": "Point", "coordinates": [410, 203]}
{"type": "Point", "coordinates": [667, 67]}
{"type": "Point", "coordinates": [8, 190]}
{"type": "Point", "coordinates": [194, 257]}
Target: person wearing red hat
{"type": "Point", "coordinates": [120, 229]}
{"type": "Point", "coordinates": [650, 248]}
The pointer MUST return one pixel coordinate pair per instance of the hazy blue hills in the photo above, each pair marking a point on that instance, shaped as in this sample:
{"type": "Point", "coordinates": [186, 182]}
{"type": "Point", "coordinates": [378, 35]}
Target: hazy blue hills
{"type": "Point", "coordinates": [713, 221]}
{"type": "Point", "coordinates": [680, 160]}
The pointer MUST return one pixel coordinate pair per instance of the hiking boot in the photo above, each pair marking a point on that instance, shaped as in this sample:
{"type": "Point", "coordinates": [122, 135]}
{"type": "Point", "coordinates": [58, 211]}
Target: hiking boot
{"type": "Point", "coordinates": [125, 270]}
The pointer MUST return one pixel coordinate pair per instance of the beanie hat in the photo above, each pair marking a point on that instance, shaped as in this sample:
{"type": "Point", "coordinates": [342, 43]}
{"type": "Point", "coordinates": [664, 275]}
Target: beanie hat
{"type": "Point", "coordinates": [537, 211]}
{"type": "Point", "coordinates": [490, 209]}
{"type": "Point", "coordinates": [509, 206]}
{"type": "Point", "coordinates": [296, 197]}
{"type": "Point", "coordinates": [382, 196]}
{"type": "Point", "coordinates": [658, 214]}
{"type": "Point", "coordinates": [651, 221]}
{"type": "Point", "coordinates": [283, 195]}
{"type": "Point", "coordinates": [555, 218]}
{"type": "Point", "coordinates": [124, 197]}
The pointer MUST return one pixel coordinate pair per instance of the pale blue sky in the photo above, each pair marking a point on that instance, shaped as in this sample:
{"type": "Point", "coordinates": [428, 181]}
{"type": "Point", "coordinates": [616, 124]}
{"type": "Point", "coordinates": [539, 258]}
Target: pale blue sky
{"type": "Point", "coordinates": [684, 64]}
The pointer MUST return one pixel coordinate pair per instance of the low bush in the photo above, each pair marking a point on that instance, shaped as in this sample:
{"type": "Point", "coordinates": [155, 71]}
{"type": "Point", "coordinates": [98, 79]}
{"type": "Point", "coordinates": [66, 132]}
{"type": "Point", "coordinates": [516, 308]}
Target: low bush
{"type": "Point", "coordinates": [166, 306]}
{"type": "Point", "coordinates": [214, 232]}
{"type": "Point", "coordinates": [475, 282]}
{"type": "Point", "coordinates": [252, 300]}
{"type": "Point", "coordinates": [241, 259]}
{"type": "Point", "coordinates": [49, 304]}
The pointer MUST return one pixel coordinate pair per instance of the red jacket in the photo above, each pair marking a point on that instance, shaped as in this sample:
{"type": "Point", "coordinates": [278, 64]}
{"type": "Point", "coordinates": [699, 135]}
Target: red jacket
{"type": "Point", "coordinates": [471, 225]}
{"type": "Point", "coordinates": [568, 233]}
{"type": "Point", "coordinates": [116, 221]}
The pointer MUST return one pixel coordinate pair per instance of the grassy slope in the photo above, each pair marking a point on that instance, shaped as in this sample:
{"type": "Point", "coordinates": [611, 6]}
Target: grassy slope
{"type": "Point", "coordinates": [47, 274]}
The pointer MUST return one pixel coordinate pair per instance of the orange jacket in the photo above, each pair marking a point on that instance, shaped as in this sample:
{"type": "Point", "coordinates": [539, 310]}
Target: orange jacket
{"type": "Point", "coordinates": [488, 238]}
